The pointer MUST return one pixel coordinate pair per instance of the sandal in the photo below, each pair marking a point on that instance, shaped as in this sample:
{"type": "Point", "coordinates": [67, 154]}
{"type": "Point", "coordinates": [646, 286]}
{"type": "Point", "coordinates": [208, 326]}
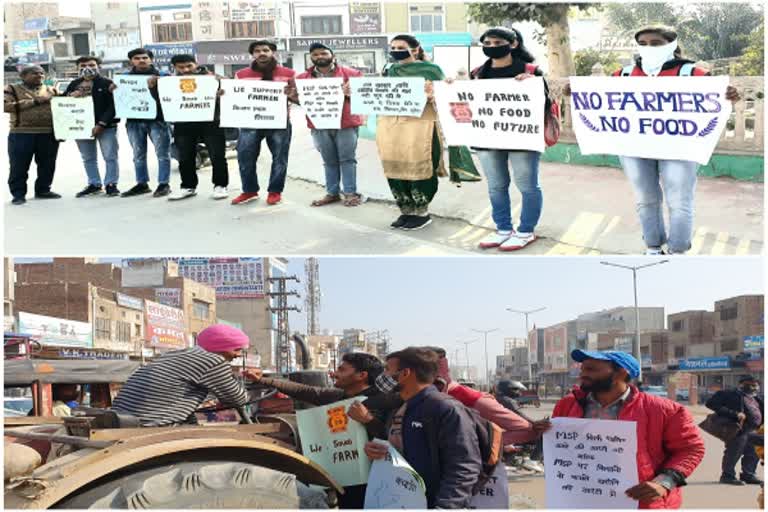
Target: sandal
{"type": "Point", "coordinates": [353, 200]}
{"type": "Point", "coordinates": [328, 199]}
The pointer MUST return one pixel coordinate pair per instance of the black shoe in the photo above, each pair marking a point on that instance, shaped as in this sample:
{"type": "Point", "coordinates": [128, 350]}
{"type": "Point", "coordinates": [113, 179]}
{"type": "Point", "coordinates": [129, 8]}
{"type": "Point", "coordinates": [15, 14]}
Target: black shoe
{"type": "Point", "coordinates": [163, 189]}
{"type": "Point", "coordinates": [18, 201]}
{"type": "Point", "coordinates": [112, 190]}
{"type": "Point", "coordinates": [90, 190]}
{"type": "Point", "coordinates": [137, 190]}
{"type": "Point", "coordinates": [751, 479]}
{"type": "Point", "coordinates": [400, 222]}
{"type": "Point", "coordinates": [47, 195]}
{"type": "Point", "coordinates": [417, 222]}
{"type": "Point", "coordinates": [731, 481]}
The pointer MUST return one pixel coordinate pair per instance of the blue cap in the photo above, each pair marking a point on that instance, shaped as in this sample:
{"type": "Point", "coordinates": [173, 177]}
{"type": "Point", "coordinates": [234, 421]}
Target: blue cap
{"type": "Point", "coordinates": [622, 359]}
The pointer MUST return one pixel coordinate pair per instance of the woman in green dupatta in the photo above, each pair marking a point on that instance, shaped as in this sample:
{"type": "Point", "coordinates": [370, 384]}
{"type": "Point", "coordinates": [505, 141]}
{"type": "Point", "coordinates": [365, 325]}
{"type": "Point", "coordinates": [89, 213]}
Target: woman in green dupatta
{"type": "Point", "coordinates": [409, 147]}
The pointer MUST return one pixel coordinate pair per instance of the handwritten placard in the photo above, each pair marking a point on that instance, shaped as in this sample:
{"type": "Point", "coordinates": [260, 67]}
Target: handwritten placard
{"type": "Point", "coordinates": [253, 104]}
{"type": "Point", "coordinates": [188, 99]}
{"type": "Point", "coordinates": [335, 441]}
{"type": "Point", "coordinates": [663, 118]}
{"type": "Point", "coordinates": [590, 463]}
{"type": "Point", "coordinates": [394, 484]}
{"type": "Point", "coordinates": [388, 96]}
{"type": "Point", "coordinates": [323, 100]}
{"type": "Point", "coordinates": [494, 494]}
{"type": "Point", "coordinates": [73, 118]}
{"type": "Point", "coordinates": [133, 100]}
{"type": "Point", "coordinates": [494, 114]}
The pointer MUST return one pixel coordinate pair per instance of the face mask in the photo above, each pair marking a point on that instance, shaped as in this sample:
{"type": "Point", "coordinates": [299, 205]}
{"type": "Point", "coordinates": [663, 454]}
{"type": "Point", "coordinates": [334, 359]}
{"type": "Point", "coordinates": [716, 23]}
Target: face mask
{"type": "Point", "coordinates": [654, 57]}
{"type": "Point", "coordinates": [497, 52]}
{"type": "Point", "coordinates": [386, 383]}
{"type": "Point", "coordinates": [88, 72]}
{"type": "Point", "coordinates": [400, 54]}
{"type": "Point", "coordinates": [322, 63]}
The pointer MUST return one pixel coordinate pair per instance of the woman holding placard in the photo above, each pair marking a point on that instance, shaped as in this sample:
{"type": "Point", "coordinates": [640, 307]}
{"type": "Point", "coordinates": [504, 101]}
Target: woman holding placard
{"type": "Point", "coordinates": [508, 58]}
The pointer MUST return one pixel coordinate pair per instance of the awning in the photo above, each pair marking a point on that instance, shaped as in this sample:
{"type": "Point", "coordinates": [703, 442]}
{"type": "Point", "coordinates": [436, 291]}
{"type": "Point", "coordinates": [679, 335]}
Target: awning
{"type": "Point", "coordinates": [22, 372]}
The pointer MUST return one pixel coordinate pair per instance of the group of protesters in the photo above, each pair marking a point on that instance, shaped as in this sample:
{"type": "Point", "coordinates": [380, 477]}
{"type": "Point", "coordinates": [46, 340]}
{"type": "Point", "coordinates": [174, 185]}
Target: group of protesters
{"type": "Point", "coordinates": [410, 148]}
{"type": "Point", "coordinates": [411, 401]}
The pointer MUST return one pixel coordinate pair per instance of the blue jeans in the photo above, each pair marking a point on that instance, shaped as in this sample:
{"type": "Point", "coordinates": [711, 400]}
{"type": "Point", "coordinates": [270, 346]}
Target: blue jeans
{"type": "Point", "coordinates": [160, 135]}
{"type": "Point", "coordinates": [654, 179]}
{"type": "Point", "coordinates": [338, 149]}
{"type": "Point", "coordinates": [525, 169]}
{"type": "Point", "coordinates": [248, 150]}
{"type": "Point", "coordinates": [107, 142]}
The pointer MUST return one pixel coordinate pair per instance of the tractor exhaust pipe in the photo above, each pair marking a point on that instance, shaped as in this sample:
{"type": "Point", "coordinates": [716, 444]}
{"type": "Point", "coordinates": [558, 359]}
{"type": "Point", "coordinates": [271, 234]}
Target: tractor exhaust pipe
{"type": "Point", "coordinates": [304, 351]}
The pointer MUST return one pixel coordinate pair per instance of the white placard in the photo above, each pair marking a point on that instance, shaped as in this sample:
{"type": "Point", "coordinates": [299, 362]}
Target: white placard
{"type": "Point", "coordinates": [494, 114]}
{"type": "Point", "coordinates": [590, 464]}
{"type": "Point", "coordinates": [494, 495]}
{"type": "Point", "coordinates": [323, 100]}
{"type": "Point", "coordinates": [188, 99]}
{"type": "Point", "coordinates": [394, 484]}
{"type": "Point", "coordinates": [133, 100]}
{"type": "Point", "coordinates": [388, 96]}
{"type": "Point", "coordinates": [73, 118]}
{"type": "Point", "coordinates": [254, 104]}
{"type": "Point", "coordinates": [663, 118]}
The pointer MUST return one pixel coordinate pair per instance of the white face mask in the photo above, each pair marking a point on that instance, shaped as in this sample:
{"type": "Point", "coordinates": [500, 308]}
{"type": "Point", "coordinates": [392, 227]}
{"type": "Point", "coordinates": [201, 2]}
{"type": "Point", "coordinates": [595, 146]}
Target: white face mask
{"type": "Point", "coordinates": [654, 57]}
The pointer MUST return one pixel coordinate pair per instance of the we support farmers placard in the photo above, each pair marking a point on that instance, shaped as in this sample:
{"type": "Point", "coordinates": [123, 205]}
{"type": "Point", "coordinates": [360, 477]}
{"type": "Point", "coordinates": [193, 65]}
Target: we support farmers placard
{"type": "Point", "coordinates": [133, 99]}
{"type": "Point", "coordinates": [388, 96]}
{"type": "Point", "coordinates": [323, 100]}
{"type": "Point", "coordinates": [254, 104]}
{"type": "Point", "coordinates": [590, 464]}
{"type": "Point", "coordinates": [335, 441]}
{"type": "Point", "coordinates": [73, 118]}
{"type": "Point", "coordinates": [663, 118]}
{"type": "Point", "coordinates": [188, 99]}
{"type": "Point", "coordinates": [494, 114]}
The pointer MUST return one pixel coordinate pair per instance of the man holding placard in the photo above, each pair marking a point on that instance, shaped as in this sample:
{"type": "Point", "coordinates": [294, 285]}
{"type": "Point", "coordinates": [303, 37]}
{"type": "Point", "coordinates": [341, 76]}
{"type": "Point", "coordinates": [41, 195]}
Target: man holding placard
{"type": "Point", "coordinates": [669, 446]}
{"type": "Point", "coordinates": [31, 134]}
{"type": "Point", "coordinates": [92, 84]}
{"type": "Point", "coordinates": [337, 142]}
{"type": "Point", "coordinates": [264, 67]}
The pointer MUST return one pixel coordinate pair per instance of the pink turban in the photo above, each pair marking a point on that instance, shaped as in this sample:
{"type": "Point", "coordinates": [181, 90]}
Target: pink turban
{"type": "Point", "coordinates": [222, 338]}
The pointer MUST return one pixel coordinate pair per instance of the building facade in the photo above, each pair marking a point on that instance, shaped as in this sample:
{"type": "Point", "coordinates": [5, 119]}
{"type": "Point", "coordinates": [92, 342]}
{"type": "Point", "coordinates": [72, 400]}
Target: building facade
{"type": "Point", "coordinates": [116, 32]}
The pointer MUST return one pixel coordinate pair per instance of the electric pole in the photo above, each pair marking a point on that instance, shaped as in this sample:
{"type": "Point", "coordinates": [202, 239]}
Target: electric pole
{"type": "Point", "coordinates": [283, 343]}
{"type": "Point", "coordinates": [312, 295]}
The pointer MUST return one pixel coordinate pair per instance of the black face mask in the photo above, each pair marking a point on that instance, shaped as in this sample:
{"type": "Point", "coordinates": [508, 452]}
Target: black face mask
{"type": "Point", "coordinates": [322, 63]}
{"type": "Point", "coordinates": [497, 52]}
{"type": "Point", "coordinates": [400, 54]}
{"type": "Point", "coordinates": [598, 386]}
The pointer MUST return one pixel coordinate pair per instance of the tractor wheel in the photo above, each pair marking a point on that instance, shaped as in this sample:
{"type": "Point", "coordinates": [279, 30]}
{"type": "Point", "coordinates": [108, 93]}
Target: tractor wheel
{"type": "Point", "coordinates": [202, 485]}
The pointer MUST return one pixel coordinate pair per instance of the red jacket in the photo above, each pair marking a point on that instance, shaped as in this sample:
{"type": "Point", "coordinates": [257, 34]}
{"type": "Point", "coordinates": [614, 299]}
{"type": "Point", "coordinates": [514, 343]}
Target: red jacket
{"type": "Point", "coordinates": [667, 437]}
{"type": "Point", "coordinates": [348, 120]}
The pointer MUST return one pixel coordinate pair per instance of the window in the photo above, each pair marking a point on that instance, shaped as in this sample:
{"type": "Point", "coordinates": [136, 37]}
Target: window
{"type": "Point", "coordinates": [250, 29]}
{"type": "Point", "coordinates": [182, 16]}
{"type": "Point", "coordinates": [427, 19]}
{"type": "Point", "coordinates": [137, 330]}
{"type": "Point", "coordinates": [201, 309]}
{"type": "Point", "coordinates": [113, 5]}
{"type": "Point", "coordinates": [123, 24]}
{"type": "Point", "coordinates": [170, 32]}
{"type": "Point", "coordinates": [678, 325]}
{"type": "Point", "coordinates": [80, 44]}
{"type": "Point", "coordinates": [729, 313]}
{"type": "Point", "coordinates": [729, 345]}
{"type": "Point", "coordinates": [103, 328]}
{"type": "Point", "coordinates": [123, 332]}
{"type": "Point", "coordinates": [156, 17]}
{"type": "Point", "coordinates": [320, 25]}
{"type": "Point", "coordinates": [680, 352]}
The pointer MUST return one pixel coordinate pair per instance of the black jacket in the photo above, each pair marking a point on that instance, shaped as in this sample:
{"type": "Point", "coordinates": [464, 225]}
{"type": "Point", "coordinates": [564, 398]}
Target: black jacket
{"type": "Point", "coordinates": [153, 91]}
{"type": "Point", "coordinates": [729, 403]}
{"type": "Point", "coordinates": [103, 101]}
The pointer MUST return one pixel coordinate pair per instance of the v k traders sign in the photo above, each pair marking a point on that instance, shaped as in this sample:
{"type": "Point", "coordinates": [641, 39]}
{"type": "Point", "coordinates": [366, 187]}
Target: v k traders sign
{"type": "Point", "coordinates": [164, 326]}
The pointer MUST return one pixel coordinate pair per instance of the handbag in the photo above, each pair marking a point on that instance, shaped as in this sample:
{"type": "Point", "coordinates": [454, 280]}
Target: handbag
{"type": "Point", "coordinates": [725, 429]}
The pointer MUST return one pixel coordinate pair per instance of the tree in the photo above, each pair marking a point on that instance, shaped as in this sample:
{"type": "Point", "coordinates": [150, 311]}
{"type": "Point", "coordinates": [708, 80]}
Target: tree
{"type": "Point", "coordinates": [585, 59]}
{"type": "Point", "coordinates": [552, 17]}
{"type": "Point", "coordinates": [752, 62]}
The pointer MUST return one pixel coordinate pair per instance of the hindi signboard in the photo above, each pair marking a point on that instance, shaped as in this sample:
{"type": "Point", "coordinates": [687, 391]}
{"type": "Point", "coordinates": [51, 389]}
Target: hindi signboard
{"type": "Point", "coordinates": [334, 441]}
{"type": "Point", "coordinates": [73, 118]}
{"type": "Point", "coordinates": [388, 96]}
{"type": "Point", "coordinates": [253, 104]}
{"type": "Point", "coordinates": [662, 118]}
{"type": "Point", "coordinates": [164, 326]}
{"type": "Point", "coordinates": [168, 296]}
{"type": "Point", "coordinates": [365, 17]}
{"type": "Point", "coordinates": [493, 114]}
{"type": "Point", "coordinates": [394, 484]}
{"type": "Point", "coordinates": [61, 332]}
{"type": "Point", "coordinates": [589, 464]}
{"type": "Point", "coordinates": [323, 100]}
{"type": "Point", "coordinates": [133, 100]}
{"type": "Point", "coordinates": [233, 278]}
{"type": "Point", "coordinates": [188, 99]}
{"type": "Point", "coordinates": [130, 302]}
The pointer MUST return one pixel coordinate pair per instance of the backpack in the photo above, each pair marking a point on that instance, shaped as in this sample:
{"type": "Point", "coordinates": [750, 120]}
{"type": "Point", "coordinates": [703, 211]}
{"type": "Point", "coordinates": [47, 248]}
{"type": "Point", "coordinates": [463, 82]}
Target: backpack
{"type": "Point", "coordinates": [551, 116]}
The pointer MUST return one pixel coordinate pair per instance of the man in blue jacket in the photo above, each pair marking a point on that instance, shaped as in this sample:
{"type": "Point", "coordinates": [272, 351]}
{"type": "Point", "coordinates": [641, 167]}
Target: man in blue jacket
{"type": "Point", "coordinates": [439, 438]}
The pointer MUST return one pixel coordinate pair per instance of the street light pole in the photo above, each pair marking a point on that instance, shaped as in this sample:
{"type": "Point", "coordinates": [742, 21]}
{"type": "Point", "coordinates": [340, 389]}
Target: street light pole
{"type": "Point", "coordinates": [485, 335]}
{"type": "Point", "coordinates": [526, 313]}
{"type": "Point", "coordinates": [466, 357]}
{"type": "Point", "coordinates": [634, 270]}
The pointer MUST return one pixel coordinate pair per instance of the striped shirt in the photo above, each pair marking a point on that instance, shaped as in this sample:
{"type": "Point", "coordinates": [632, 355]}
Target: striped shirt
{"type": "Point", "coordinates": [171, 388]}
{"type": "Point", "coordinates": [595, 409]}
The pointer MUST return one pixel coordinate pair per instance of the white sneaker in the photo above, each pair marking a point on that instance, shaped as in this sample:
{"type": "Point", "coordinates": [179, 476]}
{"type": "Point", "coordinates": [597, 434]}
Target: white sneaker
{"type": "Point", "coordinates": [495, 239]}
{"type": "Point", "coordinates": [182, 194]}
{"type": "Point", "coordinates": [654, 251]}
{"type": "Point", "coordinates": [517, 241]}
{"type": "Point", "coordinates": [219, 193]}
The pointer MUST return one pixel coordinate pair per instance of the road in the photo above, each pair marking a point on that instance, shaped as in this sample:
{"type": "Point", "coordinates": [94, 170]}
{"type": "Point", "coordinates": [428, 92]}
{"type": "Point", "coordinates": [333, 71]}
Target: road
{"type": "Point", "coordinates": [588, 210]}
{"type": "Point", "coordinates": [702, 492]}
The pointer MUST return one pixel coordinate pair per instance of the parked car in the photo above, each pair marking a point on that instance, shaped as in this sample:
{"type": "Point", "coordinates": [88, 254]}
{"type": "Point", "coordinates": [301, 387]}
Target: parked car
{"type": "Point", "coordinates": [656, 390]}
{"type": "Point", "coordinates": [17, 406]}
{"type": "Point", "coordinates": [683, 395]}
